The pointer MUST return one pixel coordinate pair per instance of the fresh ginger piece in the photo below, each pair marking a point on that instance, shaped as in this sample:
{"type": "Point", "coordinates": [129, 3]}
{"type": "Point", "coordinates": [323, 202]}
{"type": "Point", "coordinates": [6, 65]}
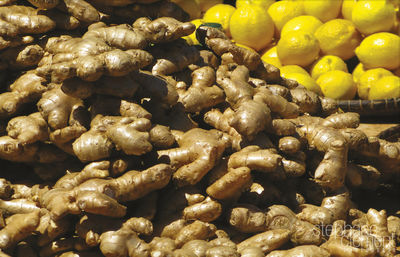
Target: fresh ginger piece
{"type": "Point", "coordinates": [161, 136]}
{"type": "Point", "coordinates": [393, 224]}
{"type": "Point", "coordinates": [338, 203]}
{"type": "Point", "coordinates": [17, 206]}
{"type": "Point", "coordinates": [289, 145]}
{"type": "Point", "coordinates": [60, 202]}
{"type": "Point", "coordinates": [27, 88]}
{"type": "Point", "coordinates": [92, 170]}
{"type": "Point", "coordinates": [28, 129]}
{"type": "Point", "coordinates": [196, 230]}
{"type": "Point", "coordinates": [11, 149]}
{"type": "Point", "coordinates": [343, 247]}
{"type": "Point", "coordinates": [202, 94]}
{"type": "Point", "coordinates": [44, 4]}
{"type": "Point", "coordinates": [144, 183]}
{"type": "Point", "coordinates": [171, 229]}
{"type": "Point", "coordinates": [221, 121]}
{"type": "Point", "coordinates": [294, 165]}
{"type": "Point", "coordinates": [315, 214]}
{"type": "Point", "coordinates": [107, 105]}
{"type": "Point", "coordinates": [121, 36]}
{"type": "Point", "coordinates": [140, 183]}
{"type": "Point", "coordinates": [220, 45]}
{"type": "Point", "coordinates": [199, 151]}
{"type": "Point", "coordinates": [6, 189]}
{"type": "Point", "coordinates": [252, 251]}
{"type": "Point", "coordinates": [21, 57]}
{"type": "Point", "coordinates": [123, 242]}
{"type": "Point", "coordinates": [303, 250]}
{"type": "Point", "coordinates": [361, 240]}
{"type": "Point", "coordinates": [282, 127]}
{"type": "Point", "coordinates": [331, 172]}
{"type": "Point", "coordinates": [267, 241]}
{"type": "Point", "coordinates": [302, 232]}
{"type": "Point", "coordinates": [198, 247]}
{"type": "Point", "coordinates": [127, 134]}
{"type": "Point", "coordinates": [26, 19]}
{"type": "Point", "coordinates": [250, 116]}
{"type": "Point", "coordinates": [164, 29]}
{"type": "Point", "coordinates": [377, 226]}
{"type": "Point", "coordinates": [277, 104]}
{"type": "Point", "coordinates": [50, 229]}
{"type": "Point", "coordinates": [94, 144]}
{"type": "Point", "coordinates": [254, 158]}
{"type": "Point", "coordinates": [19, 226]}
{"type": "Point", "coordinates": [206, 211]}
{"type": "Point", "coordinates": [223, 251]}
{"type": "Point", "coordinates": [131, 136]}
{"type": "Point", "coordinates": [364, 176]}
{"type": "Point", "coordinates": [230, 184]}
{"type": "Point", "coordinates": [88, 58]}
{"type": "Point", "coordinates": [162, 243]}
{"type": "Point", "coordinates": [342, 120]}
{"type": "Point", "coordinates": [81, 10]}
{"type": "Point", "coordinates": [207, 58]}
{"type": "Point", "coordinates": [173, 57]}
{"type": "Point", "coordinates": [247, 218]}
{"type": "Point", "coordinates": [308, 101]}
{"type": "Point", "coordinates": [56, 107]}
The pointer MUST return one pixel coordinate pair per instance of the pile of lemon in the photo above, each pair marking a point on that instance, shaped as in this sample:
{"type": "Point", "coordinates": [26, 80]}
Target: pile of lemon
{"type": "Point", "coordinates": [313, 41]}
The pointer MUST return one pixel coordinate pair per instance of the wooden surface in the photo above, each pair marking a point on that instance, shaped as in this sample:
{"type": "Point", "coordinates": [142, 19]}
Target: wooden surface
{"type": "Point", "coordinates": [374, 129]}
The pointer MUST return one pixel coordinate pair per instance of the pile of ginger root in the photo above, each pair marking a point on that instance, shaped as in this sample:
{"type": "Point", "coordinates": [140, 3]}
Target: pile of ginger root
{"type": "Point", "coordinates": [117, 138]}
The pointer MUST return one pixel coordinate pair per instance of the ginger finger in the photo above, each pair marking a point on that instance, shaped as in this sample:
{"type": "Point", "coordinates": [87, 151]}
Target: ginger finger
{"type": "Point", "coordinates": [267, 241]}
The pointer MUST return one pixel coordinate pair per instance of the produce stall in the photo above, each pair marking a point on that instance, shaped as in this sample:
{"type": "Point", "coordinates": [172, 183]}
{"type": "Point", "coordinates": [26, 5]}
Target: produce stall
{"type": "Point", "coordinates": [199, 128]}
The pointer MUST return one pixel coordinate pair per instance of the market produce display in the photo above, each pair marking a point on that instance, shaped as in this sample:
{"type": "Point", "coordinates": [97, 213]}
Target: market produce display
{"type": "Point", "coordinates": [127, 130]}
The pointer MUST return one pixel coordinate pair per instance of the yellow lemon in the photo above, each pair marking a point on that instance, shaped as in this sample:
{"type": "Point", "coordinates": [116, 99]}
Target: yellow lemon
{"type": "Point", "coordinates": [306, 81]}
{"type": "Point", "coordinates": [373, 16]}
{"type": "Point", "coordinates": [380, 50]}
{"type": "Point", "coordinates": [270, 56]}
{"type": "Point", "coordinates": [244, 46]}
{"type": "Point", "coordinates": [304, 23]}
{"type": "Point", "coordinates": [347, 8]}
{"type": "Point", "coordinates": [324, 10]}
{"type": "Point", "coordinates": [369, 78]}
{"type": "Point", "coordinates": [220, 13]}
{"type": "Point", "coordinates": [204, 5]}
{"type": "Point", "coordinates": [283, 11]}
{"type": "Point", "coordinates": [287, 69]}
{"type": "Point", "coordinates": [337, 84]}
{"type": "Point", "coordinates": [327, 63]}
{"type": "Point", "coordinates": [338, 37]}
{"type": "Point", "coordinates": [191, 39]}
{"type": "Point", "coordinates": [298, 48]}
{"type": "Point", "coordinates": [262, 3]}
{"type": "Point", "coordinates": [386, 87]}
{"type": "Point", "coordinates": [358, 72]}
{"type": "Point", "coordinates": [189, 6]}
{"type": "Point", "coordinates": [252, 26]}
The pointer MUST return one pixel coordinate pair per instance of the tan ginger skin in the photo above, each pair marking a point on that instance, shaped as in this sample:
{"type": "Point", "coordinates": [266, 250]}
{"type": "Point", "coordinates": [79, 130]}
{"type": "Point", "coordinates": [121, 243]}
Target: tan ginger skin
{"type": "Point", "coordinates": [198, 152]}
{"type": "Point", "coordinates": [136, 143]}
